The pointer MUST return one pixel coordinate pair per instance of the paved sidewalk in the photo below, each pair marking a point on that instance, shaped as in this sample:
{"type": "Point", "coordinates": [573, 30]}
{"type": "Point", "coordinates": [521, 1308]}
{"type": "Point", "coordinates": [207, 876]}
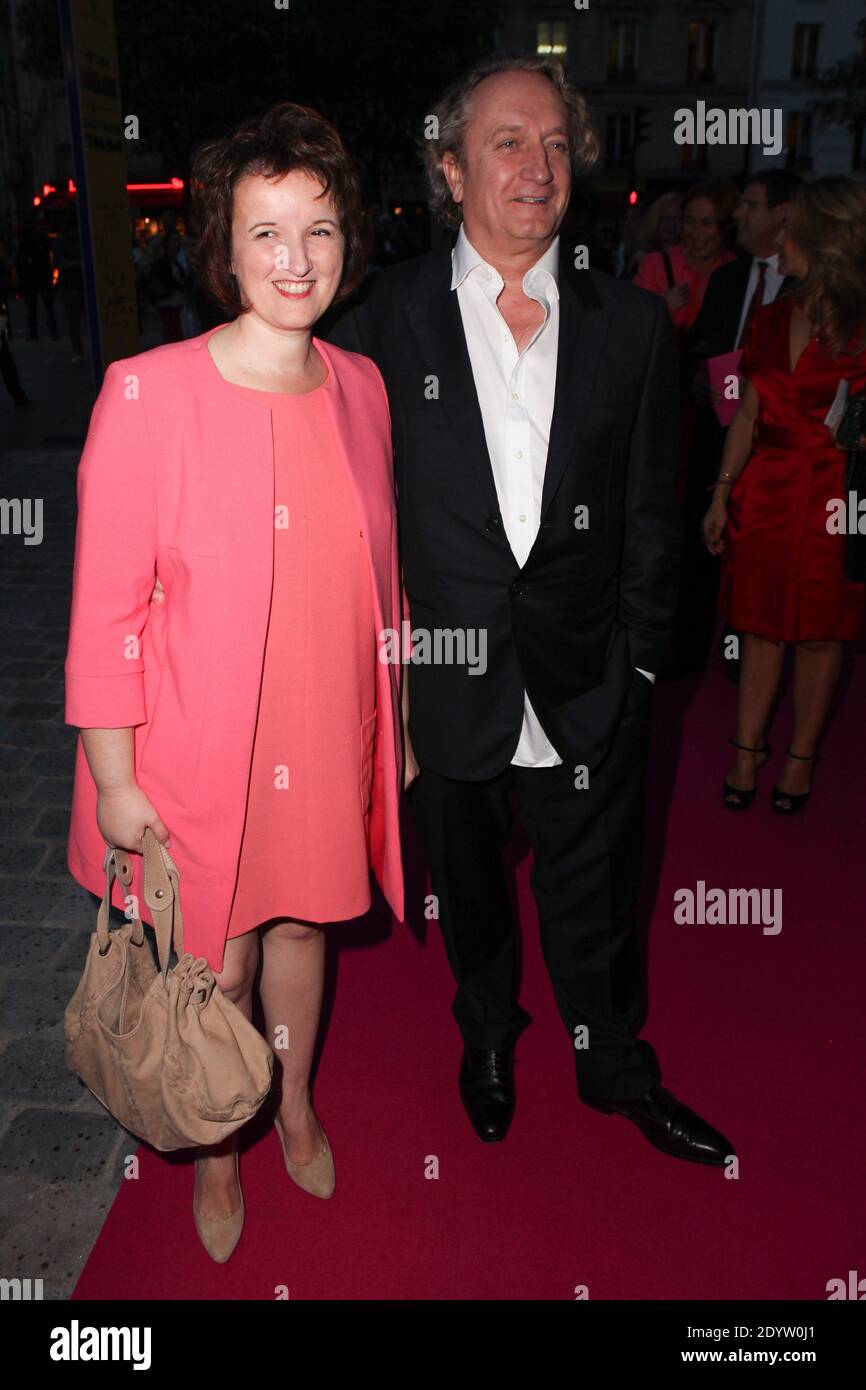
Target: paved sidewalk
{"type": "Point", "coordinates": [61, 1153]}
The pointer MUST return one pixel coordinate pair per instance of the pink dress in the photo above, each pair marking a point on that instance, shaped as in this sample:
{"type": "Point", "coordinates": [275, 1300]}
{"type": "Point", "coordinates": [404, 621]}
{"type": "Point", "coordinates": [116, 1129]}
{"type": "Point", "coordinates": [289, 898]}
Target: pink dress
{"type": "Point", "coordinates": [305, 847]}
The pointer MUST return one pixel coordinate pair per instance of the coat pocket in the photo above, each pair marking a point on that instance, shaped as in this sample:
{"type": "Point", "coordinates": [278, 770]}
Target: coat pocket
{"type": "Point", "coordinates": [172, 745]}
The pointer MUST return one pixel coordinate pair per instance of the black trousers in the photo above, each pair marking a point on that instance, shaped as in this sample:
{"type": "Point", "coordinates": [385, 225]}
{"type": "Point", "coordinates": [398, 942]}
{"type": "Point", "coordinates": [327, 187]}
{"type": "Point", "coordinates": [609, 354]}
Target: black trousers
{"type": "Point", "coordinates": [31, 297]}
{"type": "Point", "coordinates": [698, 600]}
{"type": "Point", "coordinates": [585, 878]}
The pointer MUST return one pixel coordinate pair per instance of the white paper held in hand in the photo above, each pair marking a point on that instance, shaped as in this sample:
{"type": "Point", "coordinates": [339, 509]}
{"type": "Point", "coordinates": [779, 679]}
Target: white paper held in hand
{"type": "Point", "coordinates": [837, 409]}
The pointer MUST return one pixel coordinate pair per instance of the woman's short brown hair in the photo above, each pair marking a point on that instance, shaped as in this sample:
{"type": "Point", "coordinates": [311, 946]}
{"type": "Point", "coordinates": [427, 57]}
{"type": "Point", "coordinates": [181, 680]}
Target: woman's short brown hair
{"type": "Point", "coordinates": [452, 115]}
{"type": "Point", "coordinates": [285, 138]}
{"type": "Point", "coordinates": [724, 196]}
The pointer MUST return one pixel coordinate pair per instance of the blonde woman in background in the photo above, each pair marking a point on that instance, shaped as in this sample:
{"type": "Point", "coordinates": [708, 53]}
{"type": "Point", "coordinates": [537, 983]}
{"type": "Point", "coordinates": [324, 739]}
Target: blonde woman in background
{"type": "Point", "coordinates": [658, 229]}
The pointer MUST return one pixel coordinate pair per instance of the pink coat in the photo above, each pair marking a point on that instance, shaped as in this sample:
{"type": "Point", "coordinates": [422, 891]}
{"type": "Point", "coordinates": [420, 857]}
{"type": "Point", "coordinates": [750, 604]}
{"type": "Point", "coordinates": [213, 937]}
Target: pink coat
{"type": "Point", "coordinates": [651, 275]}
{"type": "Point", "coordinates": [177, 481]}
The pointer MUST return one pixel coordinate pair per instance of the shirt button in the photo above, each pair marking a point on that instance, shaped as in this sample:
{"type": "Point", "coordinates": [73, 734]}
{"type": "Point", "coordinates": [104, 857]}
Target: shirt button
{"type": "Point", "coordinates": [522, 517]}
{"type": "Point", "coordinates": [514, 396]}
{"type": "Point", "coordinates": [519, 454]}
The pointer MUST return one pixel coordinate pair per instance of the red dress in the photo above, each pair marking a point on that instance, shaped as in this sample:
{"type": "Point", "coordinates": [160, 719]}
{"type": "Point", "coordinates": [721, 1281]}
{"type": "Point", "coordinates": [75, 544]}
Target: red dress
{"type": "Point", "coordinates": [783, 576]}
{"type": "Point", "coordinates": [305, 850]}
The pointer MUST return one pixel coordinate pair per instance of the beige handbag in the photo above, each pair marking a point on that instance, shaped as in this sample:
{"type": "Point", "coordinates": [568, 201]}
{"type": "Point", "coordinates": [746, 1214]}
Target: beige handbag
{"type": "Point", "coordinates": [165, 1051]}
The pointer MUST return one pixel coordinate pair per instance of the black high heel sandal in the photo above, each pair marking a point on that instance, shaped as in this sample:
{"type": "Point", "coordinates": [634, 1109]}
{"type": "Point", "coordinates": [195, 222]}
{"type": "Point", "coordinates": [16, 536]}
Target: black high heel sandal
{"type": "Point", "coordinates": [797, 800]}
{"type": "Point", "coordinates": [745, 797]}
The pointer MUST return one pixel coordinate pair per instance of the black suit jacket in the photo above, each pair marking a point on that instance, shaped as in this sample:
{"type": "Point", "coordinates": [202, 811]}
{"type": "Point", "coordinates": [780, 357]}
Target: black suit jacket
{"type": "Point", "coordinates": [713, 332]}
{"type": "Point", "coordinates": [589, 604]}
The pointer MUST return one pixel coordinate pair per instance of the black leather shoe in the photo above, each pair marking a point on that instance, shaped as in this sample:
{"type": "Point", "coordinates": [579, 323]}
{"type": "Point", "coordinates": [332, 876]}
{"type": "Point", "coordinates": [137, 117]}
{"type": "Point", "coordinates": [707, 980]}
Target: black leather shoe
{"type": "Point", "coordinates": [487, 1091]}
{"type": "Point", "coordinates": [671, 1126]}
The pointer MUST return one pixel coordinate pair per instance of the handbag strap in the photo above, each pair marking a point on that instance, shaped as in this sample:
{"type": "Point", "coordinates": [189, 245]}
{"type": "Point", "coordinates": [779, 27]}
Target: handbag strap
{"type": "Point", "coordinates": [161, 893]}
{"type": "Point", "coordinates": [115, 868]}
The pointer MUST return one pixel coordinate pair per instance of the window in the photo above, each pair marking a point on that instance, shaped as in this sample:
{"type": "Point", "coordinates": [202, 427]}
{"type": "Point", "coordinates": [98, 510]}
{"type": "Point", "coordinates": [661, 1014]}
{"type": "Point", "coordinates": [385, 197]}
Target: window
{"type": "Point", "coordinates": [701, 62]}
{"type": "Point", "coordinates": [552, 40]}
{"type": "Point", "coordinates": [804, 58]}
{"type": "Point", "coordinates": [622, 50]}
{"type": "Point", "coordinates": [798, 144]}
{"type": "Point", "coordinates": [619, 141]}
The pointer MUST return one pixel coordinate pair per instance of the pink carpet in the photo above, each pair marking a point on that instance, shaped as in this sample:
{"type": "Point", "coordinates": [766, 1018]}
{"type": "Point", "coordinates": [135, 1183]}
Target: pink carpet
{"type": "Point", "coordinates": [763, 1034]}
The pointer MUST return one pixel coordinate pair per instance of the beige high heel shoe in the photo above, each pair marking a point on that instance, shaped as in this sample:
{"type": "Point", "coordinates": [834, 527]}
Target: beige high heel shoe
{"type": "Point", "coordinates": [317, 1176]}
{"type": "Point", "coordinates": [218, 1234]}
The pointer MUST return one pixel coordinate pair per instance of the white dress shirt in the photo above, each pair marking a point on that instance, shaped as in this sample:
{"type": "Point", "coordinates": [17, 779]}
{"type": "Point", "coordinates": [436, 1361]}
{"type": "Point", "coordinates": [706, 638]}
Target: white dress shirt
{"type": "Point", "coordinates": [772, 280]}
{"type": "Point", "coordinates": [515, 393]}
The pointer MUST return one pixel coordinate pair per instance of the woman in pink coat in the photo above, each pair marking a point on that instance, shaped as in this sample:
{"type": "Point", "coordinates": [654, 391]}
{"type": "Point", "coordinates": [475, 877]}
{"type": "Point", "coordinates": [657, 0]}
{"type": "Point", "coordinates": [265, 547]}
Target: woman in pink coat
{"type": "Point", "coordinates": [235, 568]}
{"type": "Point", "coordinates": [681, 274]}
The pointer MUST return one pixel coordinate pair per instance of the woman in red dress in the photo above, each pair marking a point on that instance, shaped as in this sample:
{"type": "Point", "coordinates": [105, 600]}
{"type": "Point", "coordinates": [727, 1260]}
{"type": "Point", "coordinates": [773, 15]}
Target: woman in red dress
{"type": "Point", "coordinates": [783, 576]}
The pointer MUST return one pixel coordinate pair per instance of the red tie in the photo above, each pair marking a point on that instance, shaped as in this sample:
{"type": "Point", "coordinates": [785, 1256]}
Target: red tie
{"type": "Point", "coordinates": [755, 302]}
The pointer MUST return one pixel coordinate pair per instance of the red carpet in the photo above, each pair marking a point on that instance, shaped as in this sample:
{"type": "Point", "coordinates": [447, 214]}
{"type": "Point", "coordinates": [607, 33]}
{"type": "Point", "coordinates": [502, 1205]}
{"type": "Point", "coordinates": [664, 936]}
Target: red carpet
{"type": "Point", "coordinates": [763, 1034]}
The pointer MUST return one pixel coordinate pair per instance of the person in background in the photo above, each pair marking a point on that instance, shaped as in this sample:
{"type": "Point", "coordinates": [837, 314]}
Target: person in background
{"type": "Point", "coordinates": [153, 246]}
{"type": "Point", "coordinates": [70, 285]}
{"type": "Point", "coordinates": [681, 275]}
{"type": "Point", "coordinates": [626, 254]}
{"type": "Point", "coordinates": [783, 576]}
{"type": "Point", "coordinates": [394, 241]}
{"type": "Point", "coordinates": [139, 262]}
{"type": "Point", "coordinates": [36, 274]}
{"type": "Point", "coordinates": [681, 272]}
{"type": "Point", "coordinates": [733, 294]}
{"type": "Point", "coordinates": [169, 283]}
{"type": "Point", "coordinates": [8, 369]}
{"type": "Point", "coordinates": [658, 230]}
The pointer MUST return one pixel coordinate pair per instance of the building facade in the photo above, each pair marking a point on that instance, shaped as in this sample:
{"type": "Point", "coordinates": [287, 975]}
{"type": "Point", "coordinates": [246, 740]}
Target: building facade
{"type": "Point", "coordinates": [639, 64]}
{"type": "Point", "coordinates": [796, 40]}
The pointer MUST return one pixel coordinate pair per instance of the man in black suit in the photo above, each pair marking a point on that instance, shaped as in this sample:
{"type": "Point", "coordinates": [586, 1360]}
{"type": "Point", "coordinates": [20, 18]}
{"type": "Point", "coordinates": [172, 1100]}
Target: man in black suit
{"type": "Point", "coordinates": [534, 413]}
{"type": "Point", "coordinates": [733, 293]}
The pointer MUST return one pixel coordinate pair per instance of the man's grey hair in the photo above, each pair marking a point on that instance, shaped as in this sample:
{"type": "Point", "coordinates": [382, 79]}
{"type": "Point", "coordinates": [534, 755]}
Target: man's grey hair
{"type": "Point", "coordinates": [453, 111]}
